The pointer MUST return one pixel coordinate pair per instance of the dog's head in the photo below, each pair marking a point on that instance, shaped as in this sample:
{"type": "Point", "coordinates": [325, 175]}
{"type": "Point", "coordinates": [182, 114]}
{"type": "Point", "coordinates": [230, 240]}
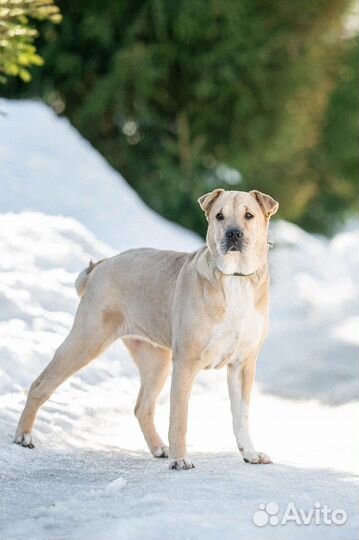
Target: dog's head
{"type": "Point", "coordinates": [237, 234]}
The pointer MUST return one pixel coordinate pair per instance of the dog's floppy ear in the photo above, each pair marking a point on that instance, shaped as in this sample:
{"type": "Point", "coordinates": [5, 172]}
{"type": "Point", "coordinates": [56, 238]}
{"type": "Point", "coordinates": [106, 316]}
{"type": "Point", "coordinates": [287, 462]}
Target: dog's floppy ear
{"type": "Point", "coordinates": [266, 202]}
{"type": "Point", "coordinates": [207, 200]}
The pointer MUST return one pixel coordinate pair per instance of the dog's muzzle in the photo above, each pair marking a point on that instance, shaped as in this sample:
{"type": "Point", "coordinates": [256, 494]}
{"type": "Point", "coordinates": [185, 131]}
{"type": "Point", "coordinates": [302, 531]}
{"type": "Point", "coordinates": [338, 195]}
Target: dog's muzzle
{"type": "Point", "coordinates": [234, 240]}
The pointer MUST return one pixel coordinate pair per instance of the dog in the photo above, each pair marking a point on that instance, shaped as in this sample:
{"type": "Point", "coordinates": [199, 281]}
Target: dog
{"type": "Point", "coordinates": [201, 310]}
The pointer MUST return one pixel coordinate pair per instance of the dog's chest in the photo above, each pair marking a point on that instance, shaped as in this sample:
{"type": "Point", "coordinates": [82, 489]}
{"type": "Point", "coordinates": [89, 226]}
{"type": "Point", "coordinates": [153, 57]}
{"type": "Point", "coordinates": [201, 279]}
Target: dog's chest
{"type": "Point", "coordinates": [240, 331]}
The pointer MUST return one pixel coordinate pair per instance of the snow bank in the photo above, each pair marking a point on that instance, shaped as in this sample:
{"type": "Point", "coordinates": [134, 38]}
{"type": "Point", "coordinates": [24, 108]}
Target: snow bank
{"type": "Point", "coordinates": [312, 349]}
{"type": "Point", "coordinates": [46, 166]}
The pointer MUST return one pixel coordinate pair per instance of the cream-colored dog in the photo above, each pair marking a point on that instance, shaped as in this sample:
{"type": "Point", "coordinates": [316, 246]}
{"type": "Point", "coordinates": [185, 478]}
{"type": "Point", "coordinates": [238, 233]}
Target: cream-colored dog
{"type": "Point", "coordinates": [206, 309]}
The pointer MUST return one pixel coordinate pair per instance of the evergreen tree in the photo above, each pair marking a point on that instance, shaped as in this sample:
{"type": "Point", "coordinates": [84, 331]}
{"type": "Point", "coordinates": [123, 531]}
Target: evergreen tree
{"type": "Point", "coordinates": [184, 96]}
{"type": "Point", "coordinates": [17, 50]}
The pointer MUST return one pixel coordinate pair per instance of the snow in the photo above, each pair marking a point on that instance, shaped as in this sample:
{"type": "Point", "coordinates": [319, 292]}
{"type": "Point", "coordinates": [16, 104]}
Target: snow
{"type": "Point", "coordinates": [116, 485]}
{"type": "Point", "coordinates": [47, 167]}
{"type": "Point", "coordinates": [90, 476]}
{"type": "Point", "coordinates": [314, 317]}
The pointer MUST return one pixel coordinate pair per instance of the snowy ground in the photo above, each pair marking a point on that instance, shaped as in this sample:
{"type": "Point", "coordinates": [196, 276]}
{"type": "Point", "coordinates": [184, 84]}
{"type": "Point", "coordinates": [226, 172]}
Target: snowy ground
{"type": "Point", "coordinates": [90, 476]}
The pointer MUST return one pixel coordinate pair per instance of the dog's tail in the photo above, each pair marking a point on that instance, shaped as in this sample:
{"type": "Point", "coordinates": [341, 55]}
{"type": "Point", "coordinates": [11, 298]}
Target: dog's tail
{"type": "Point", "coordinates": [82, 278]}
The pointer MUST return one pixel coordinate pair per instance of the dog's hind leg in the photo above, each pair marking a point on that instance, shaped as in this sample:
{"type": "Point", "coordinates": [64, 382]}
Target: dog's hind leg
{"type": "Point", "coordinates": [153, 364]}
{"type": "Point", "coordinates": [92, 331]}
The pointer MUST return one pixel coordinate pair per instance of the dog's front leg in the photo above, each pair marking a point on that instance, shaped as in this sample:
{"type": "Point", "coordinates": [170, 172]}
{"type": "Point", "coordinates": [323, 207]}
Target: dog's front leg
{"type": "Point", "coordinates": [182, 381]}
{"type": "Point", "coordinates": [240, 381]}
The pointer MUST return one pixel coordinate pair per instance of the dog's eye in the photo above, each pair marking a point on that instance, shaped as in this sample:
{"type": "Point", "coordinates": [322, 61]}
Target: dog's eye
{"type": "Point", "coordinates": [248, 215]}
{"type": "Point", "coordinates": [220, 216]}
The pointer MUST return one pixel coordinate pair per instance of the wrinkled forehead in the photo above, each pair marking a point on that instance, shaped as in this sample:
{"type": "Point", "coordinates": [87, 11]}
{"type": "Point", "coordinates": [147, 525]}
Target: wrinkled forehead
{"type": "Point", "coordinates": [235, 202]}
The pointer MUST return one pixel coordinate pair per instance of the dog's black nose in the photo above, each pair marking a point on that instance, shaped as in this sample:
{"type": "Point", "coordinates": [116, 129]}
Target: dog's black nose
{"type": "Point", "coordinates": [234, 234]}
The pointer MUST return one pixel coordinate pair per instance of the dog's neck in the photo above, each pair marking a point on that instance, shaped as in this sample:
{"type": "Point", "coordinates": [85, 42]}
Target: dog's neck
{"type": "Point", "coordinates": [209, 268]}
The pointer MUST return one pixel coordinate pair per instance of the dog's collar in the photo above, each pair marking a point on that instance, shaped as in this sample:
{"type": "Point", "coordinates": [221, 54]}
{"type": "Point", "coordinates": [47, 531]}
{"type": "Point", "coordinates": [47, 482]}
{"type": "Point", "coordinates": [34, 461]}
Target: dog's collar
{"type": "Point", "coordinates": [239, 274]}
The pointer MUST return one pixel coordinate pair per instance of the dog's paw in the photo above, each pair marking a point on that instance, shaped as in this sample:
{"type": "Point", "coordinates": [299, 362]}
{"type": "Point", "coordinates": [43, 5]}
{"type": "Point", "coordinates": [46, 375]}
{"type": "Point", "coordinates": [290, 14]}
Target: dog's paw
{"type": "Point", "coordinates": [256, 458]}
{"type": "Point", "coordinates": [180, 464]}
{"type": "Point", "coordinates": [24, 439]}
{"type": "Point", "coordinates": [160, 452]}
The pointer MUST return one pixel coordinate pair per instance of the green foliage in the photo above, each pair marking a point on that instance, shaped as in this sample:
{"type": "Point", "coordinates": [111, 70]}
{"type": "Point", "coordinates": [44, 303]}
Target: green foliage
{"type": "Point", "coordinates": [17, 52]}
{"type": "Point", "coordinates": [189, 95]}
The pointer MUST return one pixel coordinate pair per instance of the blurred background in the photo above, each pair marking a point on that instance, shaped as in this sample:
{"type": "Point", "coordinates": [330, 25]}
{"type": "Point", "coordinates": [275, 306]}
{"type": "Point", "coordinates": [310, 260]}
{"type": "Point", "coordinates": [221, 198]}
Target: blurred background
{"type": "Point", "coordinates": [184, 96]}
